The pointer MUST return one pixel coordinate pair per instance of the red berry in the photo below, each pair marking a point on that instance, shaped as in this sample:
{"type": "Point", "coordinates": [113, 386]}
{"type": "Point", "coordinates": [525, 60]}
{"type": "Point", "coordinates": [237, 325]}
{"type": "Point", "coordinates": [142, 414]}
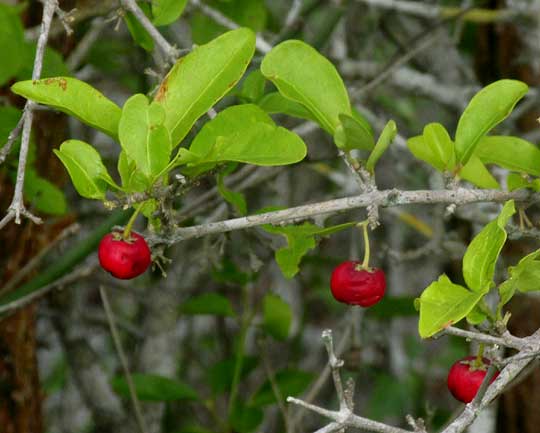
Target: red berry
{"type": "Point", "coordinates": [464, 380]}
{"type": "Point", "coordinates": [356, 286]}
{"type": "Point", "coordinates": [124, 259]}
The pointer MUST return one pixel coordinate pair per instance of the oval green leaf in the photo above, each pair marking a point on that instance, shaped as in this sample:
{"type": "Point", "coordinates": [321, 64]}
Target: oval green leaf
{"type": "Point", "coordinates": [510, 152]}
{"type": "Point", "coordinates": [233, 120]}
{"type": "Point", "coordinates": [143, 137]}
{"type": "Point", "coordinates": [387, 136]}
{"type": "Point", "coordinates": [276, 103]}
{"type": "Point", "coordinates": [200, 79]}
{"type": "Point", "coordinates": [353, 133]}
{"type": "Point", "coordinates": [166, 12]}
{"type": "Point", "coordinates": [482, 253]}
{"type": "Point", "coordinates": [477, 173]}
{"type": "Point", "coordinates": [84, 165]}
{"type": "Point", "coordinates": [302, 74]}
{"type": "Point", "coordinates": [440, 143]}
{"type": "Point", "coordinates": [444, 303]}
{"type": "Point", "coordinates": [73, 97]}
{"type": "Point", "coordinates": [487, 108]}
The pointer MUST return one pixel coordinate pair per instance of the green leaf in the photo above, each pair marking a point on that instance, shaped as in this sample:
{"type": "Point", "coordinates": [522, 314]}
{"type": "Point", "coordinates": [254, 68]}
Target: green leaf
{"type": "Point", "coordinates": [244, 133]}
{"type": "Point", "coordinates": [487, 108]}
{"type": "Point", "coordinates": [300, 240]}
{"type": "Point", "coordinates": [352, 133]}
{"type": "Point", "coordinates": [43, 195]}
{"type": "Point", "coordinates": [143, 136]}
{"type": "Point", "coordinates": [476, 316]}
{"type": "Point", "coordinates": [276, 103]}
{"type": "Point", "coordinates": [236, 199]}
{"type": "Point", "coordinates": [84, 165]}
{"type": "Point", "coordinates": [200, 79]}
{"type": "Point", "coordinates": [444, 303]}
{"type": "Point", "coordinates": [11, 43]}
{"type": "Point", "coordinates": [220, 375]}
{"type": "Point", "coordinates": [245, 13]}
{"type": "Point", "coordinates": [440, 143]}
{"type": "Point", "coordinates": [277, 316]}
{"type": "Point", "coordinates": [151, 387]}
{"type": "Point", "coordinates": [420, 149]}
{"type": "Point", "coordinates": [262, 144]}
{"type": "Point", "coordinates": [73, 97]}
{"type": "Point", "coordinates": [525, 277]}
{"type": "Point", "coordinates": [289, 382]}
{"type": "Point", "coordinates": [302, 74]}
{"type": "Point", "coordinates": [208, 303]}
{"type": "Point", "coordinates": [253, 86]}
{"type": "Point", "coordinates": [139, 34]}
{"type": "Point", "coordinates": [476, 172]}
{"type": "Point", "coordinates": [387, 136]}
{"type": "Point", "coordinates": [510, 152]}
{"type": "Point", "coordinates": [132, 179]}
{"type": "Point", "coordinates": [482, 253]}
{"type": "Point", "coordinates": [234, 120]}
{"type": "Point", "coordinates": [166, 12]}
{"type": "Point", "coordinates": [517, 181]}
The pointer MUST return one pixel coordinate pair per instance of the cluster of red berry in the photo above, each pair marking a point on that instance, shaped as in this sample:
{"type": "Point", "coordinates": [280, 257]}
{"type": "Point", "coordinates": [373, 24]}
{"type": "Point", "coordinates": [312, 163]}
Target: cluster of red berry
{"type": "Point", "coordinates": [352, 283]}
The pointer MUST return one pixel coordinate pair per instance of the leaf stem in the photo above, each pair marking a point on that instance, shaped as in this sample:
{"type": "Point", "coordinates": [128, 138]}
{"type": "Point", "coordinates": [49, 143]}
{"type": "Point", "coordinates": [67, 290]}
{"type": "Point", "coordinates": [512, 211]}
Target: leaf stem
{"type": "Point", "coordinates": [129, 225]}
{"type": "Point", "coordinates": [364, 225]}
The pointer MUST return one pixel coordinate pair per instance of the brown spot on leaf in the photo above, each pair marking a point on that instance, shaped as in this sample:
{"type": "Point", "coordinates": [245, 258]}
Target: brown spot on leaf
{"type": "Point", "coordinates": [62, 82]}
{"type": "Point", "coordinates": [163, 89]}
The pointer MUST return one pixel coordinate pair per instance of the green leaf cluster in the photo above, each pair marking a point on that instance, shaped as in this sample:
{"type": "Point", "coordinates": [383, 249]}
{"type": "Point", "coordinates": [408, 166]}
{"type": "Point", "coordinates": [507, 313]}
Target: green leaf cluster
{"type": "Point", "coordinates": [467, 155]}
{"type": "Point", "coordinates": [149, 130]}
{"type": "Point", "coordinates": [444, 303]}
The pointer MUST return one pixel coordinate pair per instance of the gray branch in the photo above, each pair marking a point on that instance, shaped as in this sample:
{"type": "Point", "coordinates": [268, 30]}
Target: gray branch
{"type": "Point", "coordinates": [384, 198]}
{"type": "Point", "coordinates": [16, 208]}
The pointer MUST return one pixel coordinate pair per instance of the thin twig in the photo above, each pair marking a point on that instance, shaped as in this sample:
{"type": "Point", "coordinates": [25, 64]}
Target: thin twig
{"type": "Point", "coordinates": [123, 360]}
{"type": "Point", "coordinates": [262, 45]}
{"type": "Point", "coordinates": [515, 343]}
{"type": "Point", "coordinates": [13, 135]}
{"type": "Point", "coordinates": [170, 52]}
{"type": "Point", "coordinates": [16, 208]}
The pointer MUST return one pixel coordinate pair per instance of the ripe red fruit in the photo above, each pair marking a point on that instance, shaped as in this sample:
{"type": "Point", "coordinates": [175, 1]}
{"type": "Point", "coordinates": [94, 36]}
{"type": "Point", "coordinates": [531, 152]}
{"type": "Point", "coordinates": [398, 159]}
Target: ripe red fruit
{"type": "Point", "coordinates": [464, 380]}
{"type": "Point", "coordinates": [356, 286]}
{"type": "Point", "coordinates": [124, 259]}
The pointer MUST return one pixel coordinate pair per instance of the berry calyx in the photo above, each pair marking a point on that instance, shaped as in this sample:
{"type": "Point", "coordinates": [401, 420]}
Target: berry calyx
{"type": "Point", "coordinates": [354, 285]}
{"type": "Point", "coordinates": [466, 376]}
{"type": "Point", "coordinates": [124, 258]}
